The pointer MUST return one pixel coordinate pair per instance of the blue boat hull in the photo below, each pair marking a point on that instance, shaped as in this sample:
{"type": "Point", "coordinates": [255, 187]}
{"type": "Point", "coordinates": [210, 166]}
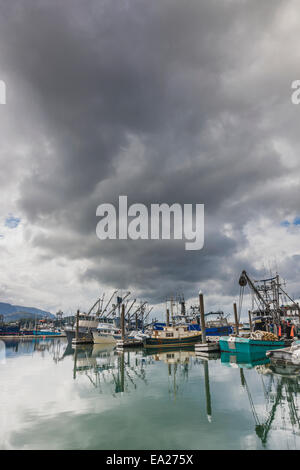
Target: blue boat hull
{"type": "Point", "coordinates": [8, 330]}
{"type": "Point", "coordinates": [45, 333]}
{"type": "Point", "coordinates": [215, 331]}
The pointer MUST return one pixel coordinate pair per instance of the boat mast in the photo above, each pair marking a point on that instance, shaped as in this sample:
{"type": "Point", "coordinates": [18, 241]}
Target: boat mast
{"type": "Point", "coordinates": [244, 279]}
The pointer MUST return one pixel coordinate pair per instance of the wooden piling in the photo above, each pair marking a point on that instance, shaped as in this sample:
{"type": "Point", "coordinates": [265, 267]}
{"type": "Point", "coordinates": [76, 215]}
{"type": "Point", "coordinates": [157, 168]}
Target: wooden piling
{"type": "Point", "coordinates": [207, 391]}
{"type": "Point", "coordinates": [123, 322]}
{"type": "Point", "coordinates": [202, 318]}
{"type": "Point", "coordinates": [122, 373]}
{"type": "Point", "coordinates": [250, 320]}
{"type": "Point", "coordinates": [77, 325]}
{"type": "Point", "coordinates": [236, 321]}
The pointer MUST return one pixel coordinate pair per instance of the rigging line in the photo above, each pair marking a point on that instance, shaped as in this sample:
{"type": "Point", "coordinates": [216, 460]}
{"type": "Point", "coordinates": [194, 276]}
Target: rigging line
{"type": "Point", "coordinates": [264, 387]}
{"type": "Point", "coordinates": [257, 304]}
{"type": "Point", "coordinates": [292, 406]}
{"type": "Point", "coordinates": [241, 301]}
{"type": "Point", "coordinates": [252, 404]}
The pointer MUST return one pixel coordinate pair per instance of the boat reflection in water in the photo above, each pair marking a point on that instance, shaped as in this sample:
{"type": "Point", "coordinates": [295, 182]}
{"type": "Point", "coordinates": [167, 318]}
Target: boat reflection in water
{"type": "Point", "coordinates": [177, 359]}
{"type": "Point", "coordinates": [244, 402]}
{"type": "Point", "coordinates": [178, 363]}
{"type": "Point", "coordinates": [55, 347]}
{"type": "Point", "coordinates": [281, 389]}
{"type": "Point", "coordinates": [243, 360]}
{"type": "Point", "coordinates": [106, 368]}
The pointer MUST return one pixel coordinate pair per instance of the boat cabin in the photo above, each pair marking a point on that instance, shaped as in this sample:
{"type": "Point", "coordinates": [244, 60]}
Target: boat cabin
{"type": "Point", "coordinates": [175, 332]}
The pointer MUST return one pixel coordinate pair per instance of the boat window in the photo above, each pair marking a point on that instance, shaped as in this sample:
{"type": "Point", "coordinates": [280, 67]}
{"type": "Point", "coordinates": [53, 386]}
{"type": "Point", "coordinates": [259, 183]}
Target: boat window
{"type": "Point", "coordinates": [169, 335]}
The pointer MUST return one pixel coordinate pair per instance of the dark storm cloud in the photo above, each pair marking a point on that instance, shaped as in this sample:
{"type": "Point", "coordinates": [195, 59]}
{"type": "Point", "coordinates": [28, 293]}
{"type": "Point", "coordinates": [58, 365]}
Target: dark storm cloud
{"type": "Point", "coordinates": [152, 100]}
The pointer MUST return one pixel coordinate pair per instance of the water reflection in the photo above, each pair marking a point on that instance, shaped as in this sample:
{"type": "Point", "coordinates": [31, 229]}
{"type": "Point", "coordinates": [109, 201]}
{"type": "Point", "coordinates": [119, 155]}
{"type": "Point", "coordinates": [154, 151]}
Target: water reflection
{"type": "Point", "coordinates": [243, 360]}
{"type": "Point", "coordinates": [105, 367]}
{"type": "Point", "coordinates": [244, 394]}
{"type": "Point", "coordinates": [55, 347]}
{"type": "Point", "coordinates": [124, 370]}
{"type": "Point", "coordinates": [281, 392]}
{"type": "Point", "coordinates": [178, 363]}
{"type": "Point", "coordinates": [281, 389]}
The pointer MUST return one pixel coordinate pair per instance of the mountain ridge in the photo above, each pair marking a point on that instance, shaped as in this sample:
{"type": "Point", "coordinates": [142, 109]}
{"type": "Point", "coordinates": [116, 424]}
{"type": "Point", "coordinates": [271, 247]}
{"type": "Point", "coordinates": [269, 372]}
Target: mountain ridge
{"type": "Point", "coordinates": [12, 312]}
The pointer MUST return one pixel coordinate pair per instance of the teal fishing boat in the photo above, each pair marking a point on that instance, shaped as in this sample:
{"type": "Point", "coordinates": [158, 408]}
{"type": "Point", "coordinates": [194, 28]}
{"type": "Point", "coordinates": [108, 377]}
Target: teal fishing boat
{"type": "Point", "coordinates": [265, 323]}
{"type": "Point", "coordinates": [240, 344]}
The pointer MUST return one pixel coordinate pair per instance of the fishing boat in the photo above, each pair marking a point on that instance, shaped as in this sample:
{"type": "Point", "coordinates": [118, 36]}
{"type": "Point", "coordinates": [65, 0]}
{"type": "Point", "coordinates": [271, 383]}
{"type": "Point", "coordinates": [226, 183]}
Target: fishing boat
{"type": "Point", "coordinates": [267, 294]}
{"type": "Point", "coordinates": [106, 333]}
{"type": "Point", "coordinates": [9, 330]}
{"type": "Point", "coordinates": [286, 356]}
{"type": "Point", "coordinates": [98, 313]}
{"type": "Point", "coordinates": [172, 336]}
{"type": "Point", "coordinates": [217, 326]}
{"type": "Point", "coordinates": [242, 345]}
{"type": "Point", "coordinates": [138, 335]}
{"type": "Point", "coordinates": [86, 324]}
{"type": "Point", "coordinates": [46, 332]}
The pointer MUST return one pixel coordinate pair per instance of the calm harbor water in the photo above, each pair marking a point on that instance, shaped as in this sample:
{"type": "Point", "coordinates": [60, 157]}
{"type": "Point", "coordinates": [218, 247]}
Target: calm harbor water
{"type": "Point", "coordinates": [53, 397]}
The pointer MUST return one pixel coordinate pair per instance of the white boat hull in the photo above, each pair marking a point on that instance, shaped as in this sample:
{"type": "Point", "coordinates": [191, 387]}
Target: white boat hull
{"type": "Point", "coordinates": [100, 338]}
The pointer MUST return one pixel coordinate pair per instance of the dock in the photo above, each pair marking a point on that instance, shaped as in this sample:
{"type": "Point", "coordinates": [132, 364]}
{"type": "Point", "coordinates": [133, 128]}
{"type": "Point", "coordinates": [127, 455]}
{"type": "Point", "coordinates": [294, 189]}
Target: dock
{"type": "Point", "coordinates": [208, 347]}
{"type": "Point", "coordinates": [82, 340]}
{"type": "Point", "coordinates": [129, 343]}
{"type": "Point", "coordinates": [18, 337]}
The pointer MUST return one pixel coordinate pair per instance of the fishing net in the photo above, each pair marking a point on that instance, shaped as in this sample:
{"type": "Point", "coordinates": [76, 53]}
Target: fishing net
{"type": "Point", "coordinates": [263, 336]}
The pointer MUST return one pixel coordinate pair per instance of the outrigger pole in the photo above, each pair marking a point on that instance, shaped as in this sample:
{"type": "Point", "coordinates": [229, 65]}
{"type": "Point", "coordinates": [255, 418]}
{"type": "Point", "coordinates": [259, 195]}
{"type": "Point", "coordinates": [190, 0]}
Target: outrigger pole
{"type": "Point", "coordinates": [133, 302]}
{"type": "Point", "coordinates": [147, 315]}
{"type": "Point", "coordinates": [139, 308]}
{"type": "Point", "coordinates": [91, 309]}
{"type": "Point", "coordinates": [114, 293]}
{"type": "Point", "coordinates": [114, 308]}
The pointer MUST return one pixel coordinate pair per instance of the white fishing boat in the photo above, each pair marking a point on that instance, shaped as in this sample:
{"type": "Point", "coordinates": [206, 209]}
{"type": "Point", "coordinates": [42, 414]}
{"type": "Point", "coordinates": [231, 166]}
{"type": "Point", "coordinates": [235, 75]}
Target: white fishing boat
{"type": "Point", "coordinates": [86, 324]}
{"type": "Point", "coordinates": [138, 335]}
{"type": "Point", "coordinates": [106, 333]}
{"type": "Point", "coordinates": [286, 356]}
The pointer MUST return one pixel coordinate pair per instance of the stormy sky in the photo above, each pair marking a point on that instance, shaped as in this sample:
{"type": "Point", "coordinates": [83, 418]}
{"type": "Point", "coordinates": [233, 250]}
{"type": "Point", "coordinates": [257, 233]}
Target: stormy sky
{"type": "Point", "coordinates": [162, 101]}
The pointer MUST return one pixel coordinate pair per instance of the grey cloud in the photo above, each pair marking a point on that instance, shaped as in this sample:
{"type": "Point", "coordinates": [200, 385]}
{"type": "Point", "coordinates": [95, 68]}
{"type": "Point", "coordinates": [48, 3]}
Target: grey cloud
{"type": "Point", "coordinates": [161, 101]}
